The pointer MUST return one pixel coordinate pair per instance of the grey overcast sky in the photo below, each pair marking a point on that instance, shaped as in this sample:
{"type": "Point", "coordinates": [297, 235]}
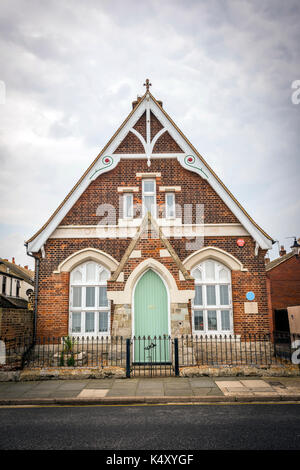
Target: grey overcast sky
{"type": "Point", "coordinates": [223, 69]}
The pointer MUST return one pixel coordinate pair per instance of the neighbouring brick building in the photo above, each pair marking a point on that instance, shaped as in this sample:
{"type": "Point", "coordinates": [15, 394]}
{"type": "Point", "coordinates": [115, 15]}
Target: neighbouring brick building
{"type": "Point", "coordinates": [283, 283]}
{"type": "Point", "coordinates": [150, 242]}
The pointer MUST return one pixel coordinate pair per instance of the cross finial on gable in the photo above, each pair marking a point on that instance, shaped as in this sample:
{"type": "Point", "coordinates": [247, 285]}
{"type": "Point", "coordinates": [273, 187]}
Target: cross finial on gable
{"type": "Point", "coordinates": [147, 84]}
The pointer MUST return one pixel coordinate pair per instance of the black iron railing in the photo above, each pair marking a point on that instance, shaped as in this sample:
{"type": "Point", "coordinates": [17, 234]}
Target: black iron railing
{"type": "Point", "coordinates": [151, 355]}
{"type": "Point", "coordinates": [246, 349]}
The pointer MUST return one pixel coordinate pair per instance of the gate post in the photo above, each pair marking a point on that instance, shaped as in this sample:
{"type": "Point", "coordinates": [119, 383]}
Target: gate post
{"type": "Point", "coordinates": [176, 357]}
{"type": "Point", "coordinates": [128, 358]}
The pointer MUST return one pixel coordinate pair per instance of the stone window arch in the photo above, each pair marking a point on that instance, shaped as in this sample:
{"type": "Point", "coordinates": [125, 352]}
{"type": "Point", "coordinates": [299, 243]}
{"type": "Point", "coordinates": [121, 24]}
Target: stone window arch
{"type": "Point", "coordinates": [212, 304]}
{"type": "Point", "coordinates": [89, 306]}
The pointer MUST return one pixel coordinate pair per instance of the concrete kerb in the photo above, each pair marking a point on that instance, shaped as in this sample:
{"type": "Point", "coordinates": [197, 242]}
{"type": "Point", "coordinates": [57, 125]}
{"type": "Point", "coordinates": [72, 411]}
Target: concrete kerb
{"type": "Point", "coordinates": [111, 401]}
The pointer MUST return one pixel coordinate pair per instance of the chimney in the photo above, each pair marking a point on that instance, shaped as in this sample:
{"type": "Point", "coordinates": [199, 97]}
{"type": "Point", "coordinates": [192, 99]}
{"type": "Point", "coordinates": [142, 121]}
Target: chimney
{"type": "Point", "coordinates": [296, 247]}
{"type": "Point", "coordinates": [267, 260]}
{"type": "Point", "coordinates": [26, 267]}
{"type": "Point", "coordinates": [282, 251]}
{"type": "Point", "coordinates": [136, 102]}
{"type": "Point", "coordinates": [13, 260]}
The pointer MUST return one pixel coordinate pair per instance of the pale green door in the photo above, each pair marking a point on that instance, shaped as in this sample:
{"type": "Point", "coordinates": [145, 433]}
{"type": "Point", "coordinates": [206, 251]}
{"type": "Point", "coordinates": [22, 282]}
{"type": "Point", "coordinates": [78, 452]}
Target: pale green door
{"type": "Point", "coordinates": [151, 319]}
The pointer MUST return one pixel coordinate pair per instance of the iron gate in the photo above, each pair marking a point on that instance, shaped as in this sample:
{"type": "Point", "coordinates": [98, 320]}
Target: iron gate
{"type": "Point", "coordinates": [153, 356]}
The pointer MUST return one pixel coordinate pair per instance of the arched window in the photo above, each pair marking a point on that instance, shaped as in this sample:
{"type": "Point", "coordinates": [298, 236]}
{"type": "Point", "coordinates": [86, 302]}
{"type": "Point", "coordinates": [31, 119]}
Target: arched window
{"type": "Point", "coordinates": [89, 306]}
{"type": "Point", "coordinates": [212, 305]}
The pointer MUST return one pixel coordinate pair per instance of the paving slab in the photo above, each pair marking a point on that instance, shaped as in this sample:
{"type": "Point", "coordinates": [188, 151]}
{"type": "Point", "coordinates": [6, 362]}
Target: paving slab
{"type": "Point", "coordinates": [48, 386]}
{"type": "Point", "coordinates": [93, 393]}
{"type": "Point", "coordinates": [159, 388]}
{"type": "Point", "coordinates": [179, 393]}
{"type": "Point", "coordinates": [256, 384]}
{"type": "Point", "coordinates": [233, 386]}
{"type": "Point", "coordinates": [196, 382]}
{"type": "Point", "coordinates": [39, 394]}
{"type": "Point", "coordinates": [100, 383]}
{"type": "Point", "coordinates": [121, 393]}
{"type": "Point", "coordinates": [63, 394]}
{"type": "Point", "coordinates": [201, 391]}
{"type": "Point", "coordinates": [150, 390]}
{"type": "Point", "coordinates": [76, 385]}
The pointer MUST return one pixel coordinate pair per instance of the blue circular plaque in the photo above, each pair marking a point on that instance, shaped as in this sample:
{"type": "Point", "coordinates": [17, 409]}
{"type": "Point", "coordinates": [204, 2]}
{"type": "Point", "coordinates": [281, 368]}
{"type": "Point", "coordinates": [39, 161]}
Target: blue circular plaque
{"type": "Point", "coordinates": [250, 295]}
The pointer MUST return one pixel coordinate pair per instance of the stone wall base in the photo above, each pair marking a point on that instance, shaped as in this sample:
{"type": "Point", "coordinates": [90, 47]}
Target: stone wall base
{"type": "Point", "coordinates": [240, 371]}
{"type": "Point", "coordinates": [67, 373]}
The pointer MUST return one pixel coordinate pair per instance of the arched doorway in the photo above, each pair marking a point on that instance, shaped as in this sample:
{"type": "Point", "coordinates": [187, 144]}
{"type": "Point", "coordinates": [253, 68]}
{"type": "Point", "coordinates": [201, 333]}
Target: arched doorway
{"type": "Point", "coordinates": [151, 319]}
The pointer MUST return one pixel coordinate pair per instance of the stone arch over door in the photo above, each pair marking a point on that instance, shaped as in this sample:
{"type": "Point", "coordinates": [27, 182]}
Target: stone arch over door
{"type": "Point", "coordinates": [176, 295]}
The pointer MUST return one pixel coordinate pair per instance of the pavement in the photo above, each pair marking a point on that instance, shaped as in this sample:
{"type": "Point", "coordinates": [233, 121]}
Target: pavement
{"type": "Point", "coordinates": [150, 390]}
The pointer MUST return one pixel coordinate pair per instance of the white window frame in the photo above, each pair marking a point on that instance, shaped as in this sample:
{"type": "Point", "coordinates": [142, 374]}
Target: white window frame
{"type": "Point", "coordinates": [83, 283]}
{"type": "Point", "coordinates": [126, 197]}
{"type": "Point", "coordinates": [149, 193]}
{"type": "Point", "coordinates": [168, 216]}
{"type": "Point", "coordinates": [217, 282]}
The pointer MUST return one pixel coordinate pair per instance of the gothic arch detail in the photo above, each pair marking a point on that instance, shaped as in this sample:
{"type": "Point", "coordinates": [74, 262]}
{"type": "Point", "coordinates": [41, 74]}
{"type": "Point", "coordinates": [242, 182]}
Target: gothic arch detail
{"type": "Point", "coordinates": [214, 253]}
{"type": "Point", "coordinates": [87, 254]}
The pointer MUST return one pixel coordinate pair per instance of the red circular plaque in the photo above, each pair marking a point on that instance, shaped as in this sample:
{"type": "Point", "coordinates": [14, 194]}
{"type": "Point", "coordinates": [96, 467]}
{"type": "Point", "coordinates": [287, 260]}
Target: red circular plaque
{"type": "Point", "coordinates": [240, 242]}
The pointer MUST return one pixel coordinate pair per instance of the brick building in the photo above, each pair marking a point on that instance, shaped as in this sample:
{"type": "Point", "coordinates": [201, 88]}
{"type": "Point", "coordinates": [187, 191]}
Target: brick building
{"type": "Point", "coordinates": [283, 284]}
{"type": "Point", "coordinates": [150, 242]}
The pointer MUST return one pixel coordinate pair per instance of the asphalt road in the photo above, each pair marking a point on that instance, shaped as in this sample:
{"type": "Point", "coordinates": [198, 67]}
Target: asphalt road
{"type": "Point", "coordinates": [197, 427]}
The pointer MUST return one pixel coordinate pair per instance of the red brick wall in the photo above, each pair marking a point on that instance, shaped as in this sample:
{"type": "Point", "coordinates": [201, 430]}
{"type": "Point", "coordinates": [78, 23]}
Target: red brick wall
{"type": "Point", "coordinates": [194, 190]}
{"type": "Point", "coordinates": [53, 300]}
{"type": "Point", "coordinates": [16, 324]}
{"type": "Point", "coordinates": [285, 284]}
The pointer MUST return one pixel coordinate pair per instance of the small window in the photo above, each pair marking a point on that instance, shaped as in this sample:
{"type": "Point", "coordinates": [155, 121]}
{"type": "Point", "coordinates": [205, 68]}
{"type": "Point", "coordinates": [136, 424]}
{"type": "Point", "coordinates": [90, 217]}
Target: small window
{"type": "Point", "coordinates": [3, 284]}
{"type": "Point", "coordinates": [149, 197]}
{"type": "Point", "coordinates": [18, 287]}
{"type": "Point", "coordinates": [170, 206]}
{"type": "Point", "coordinates": [127, 206]}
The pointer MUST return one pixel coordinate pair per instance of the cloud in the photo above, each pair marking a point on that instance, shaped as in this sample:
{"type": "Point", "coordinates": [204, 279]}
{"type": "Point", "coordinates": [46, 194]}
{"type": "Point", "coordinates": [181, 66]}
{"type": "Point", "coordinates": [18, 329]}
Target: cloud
{"type": "Point", "coordinates": [222, 68]}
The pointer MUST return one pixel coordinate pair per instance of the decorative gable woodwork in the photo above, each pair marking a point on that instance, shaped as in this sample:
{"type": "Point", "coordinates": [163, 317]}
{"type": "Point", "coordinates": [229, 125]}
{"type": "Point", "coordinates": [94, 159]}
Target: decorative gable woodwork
{"type": "Point", "coordinates": [166, 144]}
{"type": "Point", "coordinates": [156, 125]}
{"type": "Point", "coordinates": [131, 144]}
{"type": "Point", "coordinates": [140, 126]}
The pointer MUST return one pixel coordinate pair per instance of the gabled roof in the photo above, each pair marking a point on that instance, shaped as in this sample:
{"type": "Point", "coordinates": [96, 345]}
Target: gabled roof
{"type": "Point", "coordinates": [19, 272]}
{"type": "Point", "coordinates": [107, 160]}
{"type": "Point", "coordinates": [279, 260]}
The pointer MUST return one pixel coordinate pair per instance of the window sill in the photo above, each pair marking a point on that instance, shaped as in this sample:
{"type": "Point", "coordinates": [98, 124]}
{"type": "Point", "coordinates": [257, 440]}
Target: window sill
{"type": "Point", "coordinates": [217, 336]}
{"type": "Point", "coordinates": [89, 336]}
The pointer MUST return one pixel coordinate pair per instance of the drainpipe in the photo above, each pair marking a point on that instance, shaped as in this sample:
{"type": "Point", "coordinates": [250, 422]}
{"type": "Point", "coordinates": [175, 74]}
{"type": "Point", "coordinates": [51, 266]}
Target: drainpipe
{"type": "Point", "coordinates": [36, 289]}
